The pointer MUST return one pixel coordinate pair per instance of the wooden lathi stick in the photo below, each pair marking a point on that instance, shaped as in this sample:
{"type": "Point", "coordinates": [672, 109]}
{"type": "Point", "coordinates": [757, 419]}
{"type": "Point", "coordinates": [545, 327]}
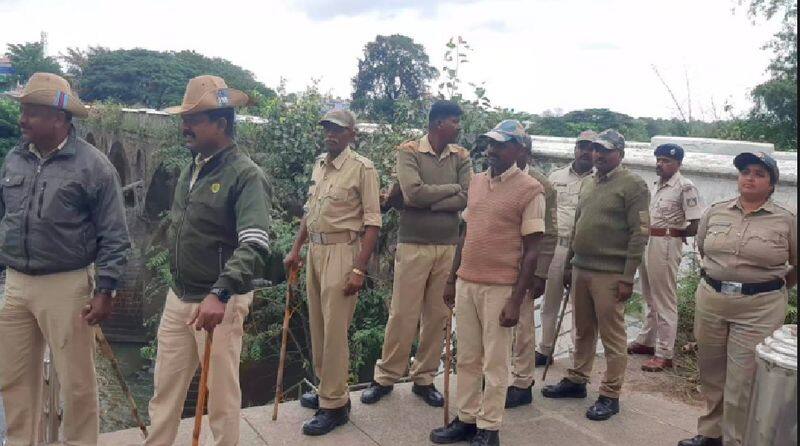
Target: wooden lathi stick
{"type": "Point", "coordinates": [202, 390]}
{"type": "Point", "coordinates": [287, 316]}
{"type": "Point", "coordinates": [448, 361]}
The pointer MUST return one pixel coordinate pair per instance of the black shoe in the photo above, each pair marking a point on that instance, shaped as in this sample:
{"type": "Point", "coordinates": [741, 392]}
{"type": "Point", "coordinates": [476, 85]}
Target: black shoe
{"type": "Point", "coordinates": [310, 400]}
{"type": "Point", "coordinates": [701, 441]}
{"type": "Point", "coordinates": [454, 432]}
{"type": "Point", "coordinates": [429, 394]}
{"type": "Point", "coordinates": [375, 392]}
{"type": "Point", "coordinates": [326, 420]}
{"type": "Point", "coordinates": [565, 389]}
{"type": "Point", "coordinates": [485, 438]}
{"type": "Point", "coordinates": [603, 409]}
{"type": "Point", "coordinates": [516, 396]}
{"type": "Point", "coordinates": [541, 360]}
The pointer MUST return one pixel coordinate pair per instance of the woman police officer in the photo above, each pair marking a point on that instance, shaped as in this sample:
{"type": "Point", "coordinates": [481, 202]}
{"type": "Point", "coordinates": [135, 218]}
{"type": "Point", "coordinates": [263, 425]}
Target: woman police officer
{"type": "Point", "coordinates": [748, 247]}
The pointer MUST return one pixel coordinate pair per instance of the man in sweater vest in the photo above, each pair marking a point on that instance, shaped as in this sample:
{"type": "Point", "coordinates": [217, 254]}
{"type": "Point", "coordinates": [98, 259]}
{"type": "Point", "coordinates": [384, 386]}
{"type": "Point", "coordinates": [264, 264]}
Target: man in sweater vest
{"type": "Point", "coordinates": [522, 351]}
{"type": "Point", "coordinates": [494, 267]}
{"type": "Point", "coordinates": [609, 236]}
{"type": "Point", "coordinates": [433, 174]}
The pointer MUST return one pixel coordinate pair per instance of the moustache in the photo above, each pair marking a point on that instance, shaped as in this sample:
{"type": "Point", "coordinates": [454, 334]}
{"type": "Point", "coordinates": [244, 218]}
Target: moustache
{"type": "Point", "coordinates": [187, 133]}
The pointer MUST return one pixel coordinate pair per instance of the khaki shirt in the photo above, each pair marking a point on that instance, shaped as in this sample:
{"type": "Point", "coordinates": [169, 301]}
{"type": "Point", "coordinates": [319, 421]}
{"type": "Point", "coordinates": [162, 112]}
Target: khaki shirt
{"type": "Point", "coordinates": [674, 203]}
{"type": "Point", "coordinates": [567, 184]}
{"type": "Point", "coordinates": [343, 195]}
{"type": "Point", "coordinates": [749, 248]}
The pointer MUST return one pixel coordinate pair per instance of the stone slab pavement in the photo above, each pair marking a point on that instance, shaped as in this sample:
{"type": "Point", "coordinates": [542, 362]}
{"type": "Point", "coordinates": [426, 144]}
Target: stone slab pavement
{"type": "Point", "coordinates": [400, 419]}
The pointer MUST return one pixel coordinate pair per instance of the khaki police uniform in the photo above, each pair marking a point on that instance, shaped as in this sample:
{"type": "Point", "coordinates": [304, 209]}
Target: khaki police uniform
{"type": "Point", "coordinates": [423, 259]}
{"type": "Point", "coordinates": [738, 248]}
{"type": "Point", "coordinates": [673, 204]}
{"type": "Point", "coordinates": [523, 361]}
{"type": "Point", "coordinates": [342, 200]}
{"type": "Point", "coordinates": [567, 184]}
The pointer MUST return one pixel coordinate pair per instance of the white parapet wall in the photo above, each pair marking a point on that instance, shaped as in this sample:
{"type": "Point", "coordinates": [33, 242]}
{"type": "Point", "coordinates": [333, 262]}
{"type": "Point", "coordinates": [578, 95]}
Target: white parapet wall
{"type": "Point", "coordinates": [713, 173]}
{"type": "Point", "coordinates": [710, 145]}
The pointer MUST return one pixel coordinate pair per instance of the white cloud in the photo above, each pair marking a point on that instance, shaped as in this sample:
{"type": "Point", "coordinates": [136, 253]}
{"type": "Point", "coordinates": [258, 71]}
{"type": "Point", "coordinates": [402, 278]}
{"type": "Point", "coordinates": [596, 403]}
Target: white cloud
{"type": "Point", "coordinates": [533, 55]}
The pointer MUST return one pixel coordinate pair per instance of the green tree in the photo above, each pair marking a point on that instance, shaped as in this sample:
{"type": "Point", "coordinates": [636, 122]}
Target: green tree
{"type": "Point", "coordinates": [776, 99]}
{"type": "Point", "coordinates": [393, 68]}
{"type": "Point", "coordinates": [152, 78]}
{"type": "Point", "coordinates": [28, 58]}
{"type": "Point", "coordinates": [9, 129]}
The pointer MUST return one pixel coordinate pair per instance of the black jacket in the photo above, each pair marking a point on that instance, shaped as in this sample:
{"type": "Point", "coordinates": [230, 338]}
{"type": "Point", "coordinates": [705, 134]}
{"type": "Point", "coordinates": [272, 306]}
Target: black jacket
{"type": "Point", "coordinates": [62, 213]}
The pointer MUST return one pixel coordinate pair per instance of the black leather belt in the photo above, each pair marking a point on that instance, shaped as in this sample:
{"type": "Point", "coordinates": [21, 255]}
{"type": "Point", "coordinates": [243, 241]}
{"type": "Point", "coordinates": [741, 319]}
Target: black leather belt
{"type": "Point", "coordinates": [747, 289]}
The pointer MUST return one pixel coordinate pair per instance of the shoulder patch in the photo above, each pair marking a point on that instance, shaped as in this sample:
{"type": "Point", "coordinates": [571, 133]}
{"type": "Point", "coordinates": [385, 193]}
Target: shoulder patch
{"type": "Point", "coordinates": [723, 202]}
{"type": "Point", "coordinates": [461, 152]}
{"type": "Point", "coordinates": [784, 208]}
{"type": "Point", "coordinates": [363, 160]}
{"type": "Point", "coordinates": [409, 146]}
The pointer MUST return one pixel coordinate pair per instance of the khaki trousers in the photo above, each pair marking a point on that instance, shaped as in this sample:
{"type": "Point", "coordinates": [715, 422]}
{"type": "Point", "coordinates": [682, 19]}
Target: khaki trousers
{"type": "Point", "coordinates": [180, 350]}
{"type": "Point", "coordinates": [553, 296]}
{"type": "Point", "coordinates": [659, 272]}
{"type": "Point", "coordinates": [483, 353]}
{"type": "Point", "coordinates": [330, 313]}
{"type": "Point", "coordinates": [47, 309]}
{"type": "Point", "coordinates": [523, 361]}
{"type": "Point", "coordinates": [728, 328]}
{"type": "Point", "coordinates": [597, 309]}
{"type": "Point", "coordinates": [420, 276]}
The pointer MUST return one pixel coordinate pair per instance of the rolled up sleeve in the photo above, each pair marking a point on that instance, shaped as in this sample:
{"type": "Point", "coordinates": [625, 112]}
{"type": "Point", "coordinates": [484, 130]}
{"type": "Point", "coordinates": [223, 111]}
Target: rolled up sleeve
{"type": "Point", "coordinates": [370, 197]}
{"type": "Point", "coordinates": [533, 216]}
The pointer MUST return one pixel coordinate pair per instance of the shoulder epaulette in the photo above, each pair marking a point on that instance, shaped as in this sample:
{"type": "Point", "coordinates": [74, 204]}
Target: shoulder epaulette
{"type": "Point", "coordinates": [363, 160]}
{"type": "Point", "coordinates": [409, 146]}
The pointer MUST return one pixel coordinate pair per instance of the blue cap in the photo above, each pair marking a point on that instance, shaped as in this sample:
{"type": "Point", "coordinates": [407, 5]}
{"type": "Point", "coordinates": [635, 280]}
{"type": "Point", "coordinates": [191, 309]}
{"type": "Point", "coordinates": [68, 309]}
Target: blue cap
{"type": "Point", "coordinates": [670, 150]}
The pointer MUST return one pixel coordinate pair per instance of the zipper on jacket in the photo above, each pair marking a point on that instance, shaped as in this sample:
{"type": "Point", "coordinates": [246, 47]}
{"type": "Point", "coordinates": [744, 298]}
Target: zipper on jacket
{"type": "Point", "coordinates": [41, 200]}
{"type": "Point", "coordinates": [27, 225]}
{"type": "Point", "coordinates": [219, 252]}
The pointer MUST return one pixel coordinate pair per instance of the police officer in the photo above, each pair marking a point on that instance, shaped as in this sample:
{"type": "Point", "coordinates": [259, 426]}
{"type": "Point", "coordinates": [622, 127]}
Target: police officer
{"type": "Point", "coordinates": [342, 221]}
{"type": "Point", "coordinates": [609, 237]}
{"type": "Point", "coordinates": [675, 210]}
{"type": "Point", "coordinates": [218, 243]}
{"type": "Point", "coordinates": [60, 212]}
{"type": "Point", "coordinates": [434, 175]}
{"type": "Point", "coordinates": [567, 183]}
{"type": "Point", "coordinates": [524, 334]}
{"type": "Point", "coordinates": [748, 247]}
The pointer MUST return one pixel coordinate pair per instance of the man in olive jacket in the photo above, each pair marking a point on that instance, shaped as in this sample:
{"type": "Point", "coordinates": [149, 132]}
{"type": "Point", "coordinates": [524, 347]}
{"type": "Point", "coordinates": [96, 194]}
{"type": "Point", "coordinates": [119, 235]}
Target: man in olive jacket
{"type": "Point", "coordinates": [63, 243]}
{"type": "Point", "coordinates": [217, 242]}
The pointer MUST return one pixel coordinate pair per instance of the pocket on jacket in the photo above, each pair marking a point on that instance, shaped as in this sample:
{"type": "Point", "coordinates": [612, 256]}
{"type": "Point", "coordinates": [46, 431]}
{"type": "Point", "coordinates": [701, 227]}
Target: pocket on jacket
{"type": "Point", "coordinates": [13, 192]}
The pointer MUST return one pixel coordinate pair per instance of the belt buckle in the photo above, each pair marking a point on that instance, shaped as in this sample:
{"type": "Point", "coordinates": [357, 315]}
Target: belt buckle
{"type": "Point", "coordinates": [316, 237]}
{"type": "Point", "coordinates": [730, 288]}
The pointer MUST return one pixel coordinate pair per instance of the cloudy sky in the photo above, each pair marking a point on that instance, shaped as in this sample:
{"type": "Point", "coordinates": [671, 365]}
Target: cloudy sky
{"type": "Point", "coordinates": [533, 55]}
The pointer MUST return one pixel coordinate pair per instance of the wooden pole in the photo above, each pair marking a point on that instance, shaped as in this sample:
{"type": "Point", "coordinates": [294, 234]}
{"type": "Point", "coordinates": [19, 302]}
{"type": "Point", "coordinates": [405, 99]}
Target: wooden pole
{"type": "Point", "coordinates": [202, 390]}
{"type": "Point", "coordinates": [105, 349]}
{"type": "Point", "coordinates": [555, 338]}
{"type": "Point", "coordinates": [448, 360]}
{"type": "Point", "coordinates": [287, 316]}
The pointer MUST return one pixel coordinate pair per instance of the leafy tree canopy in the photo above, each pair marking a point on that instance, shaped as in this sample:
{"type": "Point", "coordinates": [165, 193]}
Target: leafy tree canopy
{"type": "Point", "coordinates": [393, 68]}
{"type": "Point", "coordinates": [28, 58]}
{"type": "Point", "coordinates": [150, 78]}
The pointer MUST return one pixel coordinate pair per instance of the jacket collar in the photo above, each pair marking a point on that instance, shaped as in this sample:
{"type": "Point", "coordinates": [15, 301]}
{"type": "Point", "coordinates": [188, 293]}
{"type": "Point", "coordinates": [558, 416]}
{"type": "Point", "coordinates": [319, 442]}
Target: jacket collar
{"type": "Point", "coordinates": [424, 146]}
{"type": "Point", "coordinates": [68, 149]}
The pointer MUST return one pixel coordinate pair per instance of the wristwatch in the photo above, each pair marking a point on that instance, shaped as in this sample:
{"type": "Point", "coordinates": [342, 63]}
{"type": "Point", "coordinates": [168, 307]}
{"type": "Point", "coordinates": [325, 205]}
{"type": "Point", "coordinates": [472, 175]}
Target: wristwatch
{"type": "Point", "coordinates": [222, 294]}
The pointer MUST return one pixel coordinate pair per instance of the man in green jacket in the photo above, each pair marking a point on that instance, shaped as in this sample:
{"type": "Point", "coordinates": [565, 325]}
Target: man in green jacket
{"type": "Point", "coordinates": [217, 242]}
{"type": "Point", "coordinates": [608, 239]}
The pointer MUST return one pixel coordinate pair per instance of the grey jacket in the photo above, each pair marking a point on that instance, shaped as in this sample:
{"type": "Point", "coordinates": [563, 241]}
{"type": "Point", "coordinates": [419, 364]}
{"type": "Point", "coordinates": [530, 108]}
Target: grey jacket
{"type": "Point", "coordinates": [63, 213]}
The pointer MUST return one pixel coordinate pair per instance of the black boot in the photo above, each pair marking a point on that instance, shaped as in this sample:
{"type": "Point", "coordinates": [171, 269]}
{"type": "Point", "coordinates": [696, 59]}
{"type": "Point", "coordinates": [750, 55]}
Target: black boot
{"type": "Point", "coordinates": [603, 409]}
{"type": "Point", "coordinates": [701, 441]}
{"type": "Point", "coordinates": [326, 420]}
{"type": "Point", "coordinates": [485, 438]}
{"type": "Point", "coordinates": [454, 432]}
{"type": "Point", "coordinates": [375, 392]}
{"type": "Point", "coordinates": [541, 359]}
{"type": "Point", "coordinates": [516, 396]}
{"type": "Point", "coordinates": [565, 389]}
{"type": "Point", "coordinates": [429, 394]}
{"type": "Point", "coordinates": [310, 400]}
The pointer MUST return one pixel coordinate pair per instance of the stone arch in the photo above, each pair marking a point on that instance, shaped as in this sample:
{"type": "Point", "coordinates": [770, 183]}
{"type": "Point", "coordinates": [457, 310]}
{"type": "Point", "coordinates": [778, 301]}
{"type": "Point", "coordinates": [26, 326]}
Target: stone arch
{"type": "Point", "coordinates": [160, 192]}
{"type": "Point", "coordinates": [117, 157]}
{"type": "Point", "coordinates": [139, 166]}
{"type": "Point", "coordinates": [90, 139]}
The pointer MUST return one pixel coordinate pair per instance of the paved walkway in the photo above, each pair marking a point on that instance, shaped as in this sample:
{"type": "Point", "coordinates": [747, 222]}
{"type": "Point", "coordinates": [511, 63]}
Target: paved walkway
{"type": "Point", "coordinates": [402, 419]}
